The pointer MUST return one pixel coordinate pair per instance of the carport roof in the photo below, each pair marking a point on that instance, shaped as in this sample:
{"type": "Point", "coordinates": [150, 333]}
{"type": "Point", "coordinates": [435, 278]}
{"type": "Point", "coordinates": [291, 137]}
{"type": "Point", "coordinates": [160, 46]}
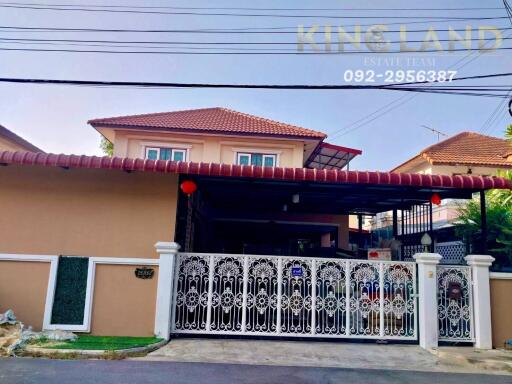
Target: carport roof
{"type": "Point", "coordinates": [332, 176]}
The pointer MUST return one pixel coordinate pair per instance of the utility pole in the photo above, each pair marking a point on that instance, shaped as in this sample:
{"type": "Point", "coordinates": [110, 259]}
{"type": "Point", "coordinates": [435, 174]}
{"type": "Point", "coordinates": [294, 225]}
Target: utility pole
{"type": "Point", "coordinates": [435, 131]}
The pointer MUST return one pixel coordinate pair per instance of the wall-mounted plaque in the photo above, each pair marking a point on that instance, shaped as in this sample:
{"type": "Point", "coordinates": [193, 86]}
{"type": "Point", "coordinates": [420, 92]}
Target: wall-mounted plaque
{"type": "Point", "coordinates": [144, 273]}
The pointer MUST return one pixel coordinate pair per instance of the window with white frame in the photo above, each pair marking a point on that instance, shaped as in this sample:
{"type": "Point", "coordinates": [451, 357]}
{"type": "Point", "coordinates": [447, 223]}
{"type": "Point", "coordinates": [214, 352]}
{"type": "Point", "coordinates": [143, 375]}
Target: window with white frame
{"type": "Point", "coordinates": [263, 159]}
{"type": "Point", "coordinates": [158, 153]}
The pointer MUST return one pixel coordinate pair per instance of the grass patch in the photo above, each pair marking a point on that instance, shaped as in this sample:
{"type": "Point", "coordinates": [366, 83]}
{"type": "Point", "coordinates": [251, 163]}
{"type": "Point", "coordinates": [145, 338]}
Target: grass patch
{"type": "Point", "coordinates": [109, 343]}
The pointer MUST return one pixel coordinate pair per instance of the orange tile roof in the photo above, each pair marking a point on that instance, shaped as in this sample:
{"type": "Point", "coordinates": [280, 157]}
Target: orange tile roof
{"type": "Point", "coordinates": [213, 120]}
{"type": "Point", "coordinates": [467, 148]}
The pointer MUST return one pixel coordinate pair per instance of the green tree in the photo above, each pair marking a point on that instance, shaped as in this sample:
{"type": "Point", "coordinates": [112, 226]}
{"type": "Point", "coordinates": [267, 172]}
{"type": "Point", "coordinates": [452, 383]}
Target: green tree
{"type": "Point", "coordinates": [504, 196]}
{"type": "Point", "coordinates": [107, 147]}
{"type": "Point", "coordinates": [499, 218]}
{"type": "Point", "coordinates": [499, 228]}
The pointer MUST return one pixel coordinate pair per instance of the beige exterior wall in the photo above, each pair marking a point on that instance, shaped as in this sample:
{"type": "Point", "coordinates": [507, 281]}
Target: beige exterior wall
{"type": "Point", "coordinates": [426, 168]}
{"type": "Point", "coordinates": [209, 148]}
{"type": "Point", "coordinates": [501, 311]}
{"type": "Point", "coordinates": [463, 169]}
{"type": "Point", "coordinates": [123, 305]}
{"type": "Point", "coordinates": [85, 212]}
{"type": "Point", "coordinates": [7, 145]}
{"type": "Point", "coordinates": [23, 289]}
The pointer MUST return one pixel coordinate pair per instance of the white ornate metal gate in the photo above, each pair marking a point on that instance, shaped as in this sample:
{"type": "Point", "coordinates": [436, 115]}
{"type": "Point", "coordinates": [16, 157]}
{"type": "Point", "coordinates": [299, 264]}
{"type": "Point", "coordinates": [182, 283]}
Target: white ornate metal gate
{"type": "Point", "coordinates": [455, 303]}
{"type": "Point", "coordinates": [294, 296]}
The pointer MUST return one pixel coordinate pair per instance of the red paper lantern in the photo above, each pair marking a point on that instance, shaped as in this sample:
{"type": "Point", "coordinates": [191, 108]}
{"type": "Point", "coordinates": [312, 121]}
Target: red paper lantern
{"type": "Point", "coordinates": [188, 187]}
{"type": "Point", "coordinates": [435, 199]}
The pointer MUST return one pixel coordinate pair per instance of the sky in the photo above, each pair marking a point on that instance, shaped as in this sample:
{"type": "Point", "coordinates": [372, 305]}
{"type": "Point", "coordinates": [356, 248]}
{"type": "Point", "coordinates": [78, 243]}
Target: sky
{"type": "Point", "coordinates": [54, 118]}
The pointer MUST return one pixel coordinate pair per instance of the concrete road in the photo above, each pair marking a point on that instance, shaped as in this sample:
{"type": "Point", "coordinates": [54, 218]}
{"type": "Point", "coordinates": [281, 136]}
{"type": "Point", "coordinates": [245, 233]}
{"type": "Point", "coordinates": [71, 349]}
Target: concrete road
{"type": "Point", "coordinates": [42, 371]}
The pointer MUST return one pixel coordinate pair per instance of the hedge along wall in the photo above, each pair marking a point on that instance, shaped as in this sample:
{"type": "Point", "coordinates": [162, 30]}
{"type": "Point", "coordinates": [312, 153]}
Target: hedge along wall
{"type": "Point", "coordinates": [70, 291]}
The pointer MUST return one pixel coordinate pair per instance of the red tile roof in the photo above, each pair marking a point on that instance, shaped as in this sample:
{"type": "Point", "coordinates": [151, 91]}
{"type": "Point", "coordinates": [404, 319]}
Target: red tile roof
{"type": "Point", "coordinates": [257, 172]}
{"type": "Point", "coordinates": [14, 138]}
{"type": "Point", "coordinates": [213, 120]}
{"type": "Point", "coordinates": [466, 148]}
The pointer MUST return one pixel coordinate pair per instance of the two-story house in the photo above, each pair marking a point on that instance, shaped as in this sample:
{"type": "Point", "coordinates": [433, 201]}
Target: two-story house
{"type": "Point", "coordinates": [224, 136]}
{"type": "Point", "coordinates": [209, 221]}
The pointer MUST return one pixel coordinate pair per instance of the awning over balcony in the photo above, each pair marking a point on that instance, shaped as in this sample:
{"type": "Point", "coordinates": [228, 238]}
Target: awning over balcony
{"type": "Point", "coordinates": [330, 156]}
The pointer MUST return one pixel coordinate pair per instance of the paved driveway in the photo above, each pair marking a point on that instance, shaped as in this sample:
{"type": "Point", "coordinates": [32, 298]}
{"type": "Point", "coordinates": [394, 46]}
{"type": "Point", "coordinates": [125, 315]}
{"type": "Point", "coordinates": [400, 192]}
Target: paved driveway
{"type": "Point", "coordinates": [40, 371]}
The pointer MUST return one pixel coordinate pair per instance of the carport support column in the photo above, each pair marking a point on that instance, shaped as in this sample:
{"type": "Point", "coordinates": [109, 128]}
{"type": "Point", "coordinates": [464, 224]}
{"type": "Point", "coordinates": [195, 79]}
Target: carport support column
{"type": "Point", "coordinates": [481, 299]}
{"type": "Point", "coordinates": [167, 251]}
{"type": "Point", "coordinates": [427, 299]}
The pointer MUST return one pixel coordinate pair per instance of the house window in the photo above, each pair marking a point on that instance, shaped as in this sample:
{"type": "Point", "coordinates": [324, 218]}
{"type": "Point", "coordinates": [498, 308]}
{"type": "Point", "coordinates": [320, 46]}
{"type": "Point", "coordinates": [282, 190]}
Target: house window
{"type": "Point", "coordinates": [266, 160]}
{"type": "Point", "coordinates": [154, 153]}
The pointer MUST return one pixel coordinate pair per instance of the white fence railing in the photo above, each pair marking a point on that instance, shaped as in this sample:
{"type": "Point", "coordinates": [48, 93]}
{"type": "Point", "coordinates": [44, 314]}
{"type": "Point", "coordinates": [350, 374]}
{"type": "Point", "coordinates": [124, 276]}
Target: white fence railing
{"type": "Point", "coordinates": [294, 296]}
{"type": "Point", "coordinates": [455, 303]}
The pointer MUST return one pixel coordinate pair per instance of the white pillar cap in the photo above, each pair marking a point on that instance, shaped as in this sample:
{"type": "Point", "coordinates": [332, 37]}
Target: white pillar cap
{"type": "Point", "coordinates": [479, 260]}
{"type": "Point", "coordinates": [427, 258]}
{"type": "Point", "coordinates": [167, 247]}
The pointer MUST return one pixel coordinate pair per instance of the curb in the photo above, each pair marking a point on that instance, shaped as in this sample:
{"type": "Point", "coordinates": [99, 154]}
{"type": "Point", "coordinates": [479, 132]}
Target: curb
{"type": "Point", "coordinates": [97, 352]}
{"type": "Point", "coordinates": [482, 363]}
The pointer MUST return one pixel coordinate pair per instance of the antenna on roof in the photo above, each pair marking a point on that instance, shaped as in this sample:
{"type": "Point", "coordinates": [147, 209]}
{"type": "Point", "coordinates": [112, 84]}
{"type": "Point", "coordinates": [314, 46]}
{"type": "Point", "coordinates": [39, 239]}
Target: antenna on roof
{"type": "Point", "coordinates": [435, 131]}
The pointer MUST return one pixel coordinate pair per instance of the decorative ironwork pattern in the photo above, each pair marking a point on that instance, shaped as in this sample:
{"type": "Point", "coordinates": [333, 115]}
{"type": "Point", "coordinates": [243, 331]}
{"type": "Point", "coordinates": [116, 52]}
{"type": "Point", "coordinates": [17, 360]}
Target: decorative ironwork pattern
{"type": "Point", "coordinates": [191, 292]}
{"type": "Point", "coordinates": [399, 318]}
{"type": "Point", "coordinates": [261, 311]}
{"type": "Point", "coordinates": [331, 303]}
{"type": "Point", "coordinates": [294, 296]}
{"type": "Point", "coordinates": [364, 302]}
{"type": "Point", "coordinates": [227, 294]}
{"type": "Point", "coordinates": [455, 303]}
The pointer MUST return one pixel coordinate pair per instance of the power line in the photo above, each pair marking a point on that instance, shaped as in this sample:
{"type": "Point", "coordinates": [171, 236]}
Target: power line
{"type": "Point", "coordinates": [494, 116]}
{"type": "Point", "coordinates": [295, 53]}
{"type": "Point", "coordinates": [255, 30]}
{"type": "Point", "coordinates": [224, 14]}
{"type": "Point", "coordinates": [390, 106]}
{"type": "Point", "coordinates": [396, 87]}
{"type": "Point", "coordinates": [202, 42]}
{"type": "Point", "coordinates": [257, 9]}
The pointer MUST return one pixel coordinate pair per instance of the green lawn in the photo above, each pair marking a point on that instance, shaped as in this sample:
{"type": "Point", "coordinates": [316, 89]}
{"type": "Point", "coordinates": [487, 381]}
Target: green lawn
{"type": "Point", "coordinates": [88, 342]}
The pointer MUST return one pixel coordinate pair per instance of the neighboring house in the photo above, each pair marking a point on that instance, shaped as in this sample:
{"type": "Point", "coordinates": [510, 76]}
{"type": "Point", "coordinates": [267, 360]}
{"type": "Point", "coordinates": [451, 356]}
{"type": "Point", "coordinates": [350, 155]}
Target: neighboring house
{"type": "Point", "coordinates": [9, 141]}
{"type": "Point", "coordinates": [260, 209]}
{"type": "Point", "coordinates": [467, 153]}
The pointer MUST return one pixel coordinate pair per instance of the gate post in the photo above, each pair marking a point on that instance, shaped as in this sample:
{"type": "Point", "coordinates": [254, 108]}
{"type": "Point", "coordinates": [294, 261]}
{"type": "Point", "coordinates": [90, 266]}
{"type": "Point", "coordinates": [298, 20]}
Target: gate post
{"type": "Point", "coordinates": [481, 299]}
{"type": "Point", "coordinates": [167, 251]}
{"type": "Point", "coordinates": [427, 302]}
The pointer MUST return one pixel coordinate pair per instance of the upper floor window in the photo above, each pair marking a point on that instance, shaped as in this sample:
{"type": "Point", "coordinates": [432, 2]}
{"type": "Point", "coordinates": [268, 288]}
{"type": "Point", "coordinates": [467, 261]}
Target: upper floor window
{"type": "Point", "coordinates": [264, 159]}
{"type": "Point", "coordinates": [175, 154]}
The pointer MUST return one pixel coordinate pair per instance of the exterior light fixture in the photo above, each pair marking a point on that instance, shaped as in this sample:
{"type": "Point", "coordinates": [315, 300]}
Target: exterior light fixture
{"type": "Point", "coordinates": [295, 198]}
{"type": "Point", "coordinates": [285, 208]}
{"type": "Point", "coordinates": [426, 241]}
